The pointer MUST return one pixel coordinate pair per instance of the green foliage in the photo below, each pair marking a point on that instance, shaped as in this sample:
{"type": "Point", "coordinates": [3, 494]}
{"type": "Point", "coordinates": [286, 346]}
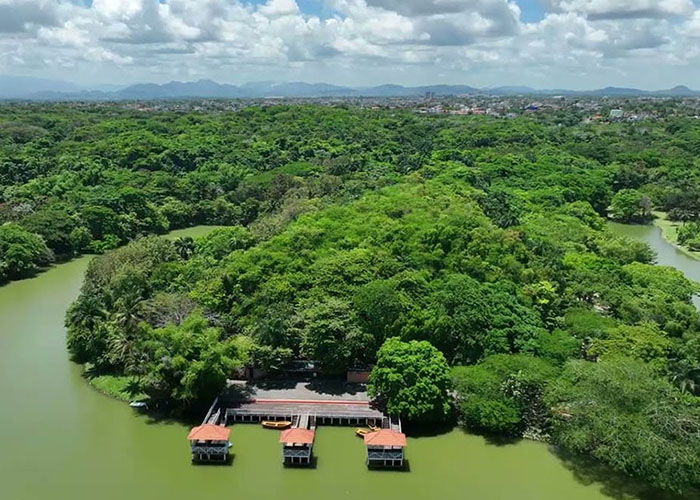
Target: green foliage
{"type": "Point", "coordinates": [689, 235]}
{"type": "Point", "coordinates": [330, 334]}
{"type": "Point", "coordinates": [629, 205]}
{"type": "Point", "coordinates": [21, 253]}
{"type": "Point", "coordinates": [189, 362]}
{"type": "Point", "coordinates": [503, 394]}
{"type": "Point", "coordinates": [222, 242]}
{"type": "Point", "coordinates": [413, 379]}
{"type": "Point", "coordinates": [558, 346]}
{"type": "Point", "coordinates": [385, 237]}
{"type": "Point", "coordinates": [646, 342]}
{"type": "Point", "coordinates": [270, 359]}
{"type": "Point", "coordinates": [502, 207]}
{"type": "Point", "coordinates": [625, 415]}
{"type": "Point", "coordinates": [118, 387]}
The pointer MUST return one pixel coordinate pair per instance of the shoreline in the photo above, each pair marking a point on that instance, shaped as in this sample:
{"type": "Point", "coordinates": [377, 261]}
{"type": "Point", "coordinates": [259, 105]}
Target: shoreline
{"type": "Point", "coordinates": [668, 233]}
{"type": "Point", "coordinates": [112, 386]}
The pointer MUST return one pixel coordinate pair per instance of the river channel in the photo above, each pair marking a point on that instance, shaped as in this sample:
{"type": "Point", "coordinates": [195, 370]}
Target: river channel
{"type": "Point", "coordinates": [61, 439]}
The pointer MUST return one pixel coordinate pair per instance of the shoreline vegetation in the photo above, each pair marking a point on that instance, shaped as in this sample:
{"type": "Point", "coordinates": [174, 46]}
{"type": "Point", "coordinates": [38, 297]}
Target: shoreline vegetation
{"type": "Point", "coordinates": [669, 231]}
{"type": "Point", "coordinates": [116, 387]}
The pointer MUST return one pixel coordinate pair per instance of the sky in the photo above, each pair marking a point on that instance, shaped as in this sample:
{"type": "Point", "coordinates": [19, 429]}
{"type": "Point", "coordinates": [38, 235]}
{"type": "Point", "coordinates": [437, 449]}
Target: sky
{"type": "Point", "coordinates": [575, 44]}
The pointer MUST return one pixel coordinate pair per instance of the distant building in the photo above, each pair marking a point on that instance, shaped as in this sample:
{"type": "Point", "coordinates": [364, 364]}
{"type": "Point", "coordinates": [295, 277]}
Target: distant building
{"type": "Point", "coordinates": [616, 114]}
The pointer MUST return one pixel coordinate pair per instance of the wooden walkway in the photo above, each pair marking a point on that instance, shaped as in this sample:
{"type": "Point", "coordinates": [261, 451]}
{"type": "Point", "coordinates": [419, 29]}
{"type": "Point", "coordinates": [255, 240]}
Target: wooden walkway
{"type": "Point", "coordinates": [334, 404]}
{"type": "Point", "coordinates": [324, 412]}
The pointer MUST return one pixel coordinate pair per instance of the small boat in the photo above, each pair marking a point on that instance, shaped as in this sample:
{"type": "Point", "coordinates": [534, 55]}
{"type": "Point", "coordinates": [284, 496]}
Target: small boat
{"type": "Point", "coordinates": [138, 404]}
{"type": "Point", "coordinates": [282, 424]}
{"type": "Point", "coordinates": [373, 428]}
{"type": "Point", "coordinates": [361, 432]}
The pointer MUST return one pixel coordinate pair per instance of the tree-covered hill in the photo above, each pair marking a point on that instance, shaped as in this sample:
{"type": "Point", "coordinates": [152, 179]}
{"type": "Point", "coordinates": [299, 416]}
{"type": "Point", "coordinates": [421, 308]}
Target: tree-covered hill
{"type": "Point", "coordinates": [382, 237]}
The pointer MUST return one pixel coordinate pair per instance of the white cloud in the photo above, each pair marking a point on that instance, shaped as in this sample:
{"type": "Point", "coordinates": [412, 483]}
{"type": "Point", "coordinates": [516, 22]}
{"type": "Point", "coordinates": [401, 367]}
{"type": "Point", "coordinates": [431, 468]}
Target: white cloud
{"type": "Point", "coordinates": [624, 9]}
{"type": "Point", "coordinates": [480, 42]}
{"type": "Point", "coordinates": [279, 8]}
{"type": "Point", "coordinates": [692, 27]}
{"type": "Point", "coordinates": [18, 16]}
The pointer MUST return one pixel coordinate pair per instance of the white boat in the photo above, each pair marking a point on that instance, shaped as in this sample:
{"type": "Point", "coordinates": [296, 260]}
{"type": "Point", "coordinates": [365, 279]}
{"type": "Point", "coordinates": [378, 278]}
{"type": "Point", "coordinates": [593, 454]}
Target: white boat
{"type": "Point", "coordinates": [138, 404]}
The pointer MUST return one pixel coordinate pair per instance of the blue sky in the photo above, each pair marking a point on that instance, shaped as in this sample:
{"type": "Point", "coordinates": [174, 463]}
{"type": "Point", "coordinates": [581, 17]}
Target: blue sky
{"type": "Point", "coordinates": [541, 43]}
{"type": "Point", "coordinates": [532, 10]}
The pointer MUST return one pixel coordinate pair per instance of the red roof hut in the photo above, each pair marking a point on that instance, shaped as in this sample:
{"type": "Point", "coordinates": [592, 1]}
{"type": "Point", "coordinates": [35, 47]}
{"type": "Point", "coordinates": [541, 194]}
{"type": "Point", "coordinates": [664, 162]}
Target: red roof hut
{"type": "Point", "coordinates": [210, 443]}
{"type": "Point", "coordinates": [385, 448]}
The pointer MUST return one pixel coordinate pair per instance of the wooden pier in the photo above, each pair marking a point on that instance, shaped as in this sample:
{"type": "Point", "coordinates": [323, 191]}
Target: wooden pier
{"type": "Point", "coordinates": [385, 446]}
{"type": "Point", "coordinates": [325, 412]}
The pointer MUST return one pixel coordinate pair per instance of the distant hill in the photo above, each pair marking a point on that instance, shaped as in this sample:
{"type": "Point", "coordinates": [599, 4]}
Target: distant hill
{"type": "Point", "coordinates": [12, 87]}
{"type": "Point", "coordinates": [39, 89]}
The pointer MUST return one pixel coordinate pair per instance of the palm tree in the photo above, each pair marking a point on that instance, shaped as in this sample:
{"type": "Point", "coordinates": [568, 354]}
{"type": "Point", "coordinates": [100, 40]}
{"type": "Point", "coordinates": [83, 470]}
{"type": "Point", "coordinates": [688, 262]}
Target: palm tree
{"type": "Point", "coordinates": [86, 312]}
{"type": "Point", "coordinates": [185, 247]}
{"type": "Point", "coordinates": [128, 312]}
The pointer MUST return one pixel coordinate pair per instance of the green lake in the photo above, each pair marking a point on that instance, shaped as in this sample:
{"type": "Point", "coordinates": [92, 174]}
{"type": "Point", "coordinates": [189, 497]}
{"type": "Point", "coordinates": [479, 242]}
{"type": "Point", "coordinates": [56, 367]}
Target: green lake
{"type": "Point", "coordinates": [61, 439]}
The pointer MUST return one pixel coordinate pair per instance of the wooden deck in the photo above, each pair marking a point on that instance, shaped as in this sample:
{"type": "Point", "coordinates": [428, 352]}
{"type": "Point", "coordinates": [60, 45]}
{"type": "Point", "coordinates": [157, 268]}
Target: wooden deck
{"type": "Point", "coordinates": [325, 412]}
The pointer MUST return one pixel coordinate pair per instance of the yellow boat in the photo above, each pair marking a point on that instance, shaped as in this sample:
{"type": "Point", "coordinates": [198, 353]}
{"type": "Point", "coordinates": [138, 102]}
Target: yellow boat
{"type": "Point", "coordinates": [373, 428]}
{"type": "Point", "coordinates": [282, 424]}
{"type": "Point", "coordinates": [361, 432]}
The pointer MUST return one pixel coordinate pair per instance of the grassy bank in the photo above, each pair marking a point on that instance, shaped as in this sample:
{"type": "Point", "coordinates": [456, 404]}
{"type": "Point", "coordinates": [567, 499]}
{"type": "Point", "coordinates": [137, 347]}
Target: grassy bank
{"type": "Point", "coordinates": [116, 387]}
{"type": "Point", "coordinates": [669, 229]}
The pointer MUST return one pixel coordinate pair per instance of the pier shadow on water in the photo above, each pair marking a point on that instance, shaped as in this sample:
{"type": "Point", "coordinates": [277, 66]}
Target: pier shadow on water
{"type": "Point", "coordinates": [227, 463]}
{"type": "Point", "coordinates": [313, 465]}
{"type": "Point", "coordinates": [619, 486]}
{"type": "Point", "coordinates": [378, 468]}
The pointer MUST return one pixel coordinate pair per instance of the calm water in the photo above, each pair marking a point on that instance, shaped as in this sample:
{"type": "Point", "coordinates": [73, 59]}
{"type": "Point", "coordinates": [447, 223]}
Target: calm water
{"type": "Point", "coordinates": [63, 440]}
{"type": "Point", "coordinates": [667, 254]}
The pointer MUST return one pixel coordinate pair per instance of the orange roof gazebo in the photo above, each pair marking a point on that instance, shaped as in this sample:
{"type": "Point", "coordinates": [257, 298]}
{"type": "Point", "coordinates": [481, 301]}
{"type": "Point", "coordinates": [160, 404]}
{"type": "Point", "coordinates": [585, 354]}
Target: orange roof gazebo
{"type": "Point", "coordinates": [386, 437]}
{"type": "Point", "coordinates": [297, 436]}
{"type": "Point", "coordinates": [209, 432]}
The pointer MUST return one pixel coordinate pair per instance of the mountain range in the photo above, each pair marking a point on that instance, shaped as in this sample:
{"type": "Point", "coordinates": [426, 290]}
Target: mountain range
{"type": "Point", "coordinates": [26, 88]}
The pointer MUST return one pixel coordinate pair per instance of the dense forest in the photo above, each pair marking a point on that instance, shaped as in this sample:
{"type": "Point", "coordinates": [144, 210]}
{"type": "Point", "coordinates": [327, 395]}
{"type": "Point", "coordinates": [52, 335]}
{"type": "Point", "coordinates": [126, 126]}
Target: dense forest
{"type": "Point", "coordinates": [464, 253]}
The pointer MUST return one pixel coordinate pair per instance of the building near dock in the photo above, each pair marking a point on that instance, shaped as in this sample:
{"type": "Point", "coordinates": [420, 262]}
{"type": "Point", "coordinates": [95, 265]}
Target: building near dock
{"type": "Point", "coordinates": [298, 443]}
{"type": "Point", "coordinates": [210, 443]}
{"type": "Point", "coordinates": [385, 448]}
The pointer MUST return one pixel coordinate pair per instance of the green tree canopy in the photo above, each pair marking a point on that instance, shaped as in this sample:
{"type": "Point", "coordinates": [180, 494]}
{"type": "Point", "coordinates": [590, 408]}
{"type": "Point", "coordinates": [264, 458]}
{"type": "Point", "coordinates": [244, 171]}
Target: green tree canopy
{"type": "Point", "coordinates": [413, 379]}
{"type": "Point", "coordinates": [625, 415]}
